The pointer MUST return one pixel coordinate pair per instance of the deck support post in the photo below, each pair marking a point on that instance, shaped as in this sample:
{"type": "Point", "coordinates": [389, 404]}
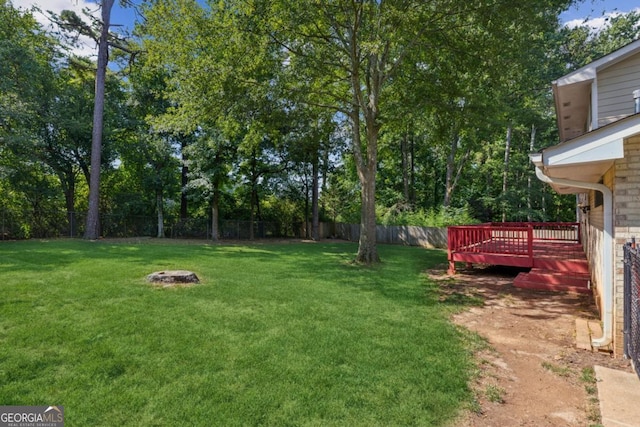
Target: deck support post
{"type": "Point", "coordinates": [452, 268]}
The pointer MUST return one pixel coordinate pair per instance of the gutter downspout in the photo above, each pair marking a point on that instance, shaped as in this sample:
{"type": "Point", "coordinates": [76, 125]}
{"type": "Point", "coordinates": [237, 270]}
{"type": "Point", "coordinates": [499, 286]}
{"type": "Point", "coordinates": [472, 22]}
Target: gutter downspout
{"type": "Point", "coordinates": [607, 272]}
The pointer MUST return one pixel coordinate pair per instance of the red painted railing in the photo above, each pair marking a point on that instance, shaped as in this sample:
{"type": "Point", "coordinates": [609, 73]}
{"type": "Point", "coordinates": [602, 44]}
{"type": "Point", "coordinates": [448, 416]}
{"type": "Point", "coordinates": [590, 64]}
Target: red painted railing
{"type": "Point", "coordinates": [494, 243]}
{"type": "Point", "coordinates": [548, 231]}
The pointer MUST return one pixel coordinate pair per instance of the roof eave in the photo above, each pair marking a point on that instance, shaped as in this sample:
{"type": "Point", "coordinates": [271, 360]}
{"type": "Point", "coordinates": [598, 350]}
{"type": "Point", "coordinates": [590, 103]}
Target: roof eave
{"type": "Point", "coordinates": [589, 71]}
{"type": "Point", "coordinates": [588, 157]}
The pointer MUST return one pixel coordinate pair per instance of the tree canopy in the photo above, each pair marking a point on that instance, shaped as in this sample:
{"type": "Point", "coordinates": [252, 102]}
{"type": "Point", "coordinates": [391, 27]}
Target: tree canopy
{"type": "Point", "coordinates": [291, 114]}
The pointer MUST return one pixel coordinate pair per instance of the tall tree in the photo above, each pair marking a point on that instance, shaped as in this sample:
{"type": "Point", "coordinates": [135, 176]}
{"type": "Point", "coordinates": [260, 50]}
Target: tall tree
{"type": "Point", "coordinates": [222, 78]}
{"type": "Point", "coordinates": [210, 157]}
{"type": "Point", "coordinates": [27, 75]}
{"type": "Point", "coordinates": [99, 30]}
{"type": "Point", "coordinates": [92, 229]}
{"type": "Point", "coordinates": [350, 54]}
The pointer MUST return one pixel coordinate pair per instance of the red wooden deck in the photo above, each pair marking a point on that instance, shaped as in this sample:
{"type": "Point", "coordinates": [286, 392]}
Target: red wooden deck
{"type": "Point", "coordinates": [552, 250]}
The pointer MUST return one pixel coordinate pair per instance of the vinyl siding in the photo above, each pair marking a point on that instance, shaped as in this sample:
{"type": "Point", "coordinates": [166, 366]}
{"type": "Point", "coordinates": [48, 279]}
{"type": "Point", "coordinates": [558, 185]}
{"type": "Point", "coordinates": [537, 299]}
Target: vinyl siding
{"type": "Point", "coordinates": [615, 90]}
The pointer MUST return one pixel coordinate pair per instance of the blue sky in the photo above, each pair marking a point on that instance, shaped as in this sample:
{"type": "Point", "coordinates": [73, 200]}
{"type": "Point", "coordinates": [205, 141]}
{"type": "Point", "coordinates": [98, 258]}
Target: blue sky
{"type": "Point", "coordinates": [595, 11]}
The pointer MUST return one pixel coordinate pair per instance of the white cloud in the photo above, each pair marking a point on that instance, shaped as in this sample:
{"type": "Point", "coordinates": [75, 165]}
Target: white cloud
{"type": "Point", "coordinates": [594, 23]}
{"type": "Point", "coordinates": [597, 24]}
{"type": "Point", "coordinates": [87, 46]}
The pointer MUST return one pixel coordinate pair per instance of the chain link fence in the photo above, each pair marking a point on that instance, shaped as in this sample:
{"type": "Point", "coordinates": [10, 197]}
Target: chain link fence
{"type": "Point", "coordinates": [18, 225]}
{"type": "Point", "coordinates": [632, 304]}
{"type": "Point", "coordinates": [15, 225]}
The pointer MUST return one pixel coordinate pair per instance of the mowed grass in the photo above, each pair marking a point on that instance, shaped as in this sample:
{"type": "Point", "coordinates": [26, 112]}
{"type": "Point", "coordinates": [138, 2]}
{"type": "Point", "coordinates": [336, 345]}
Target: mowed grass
{"type": "Point", "coordinates": [276, 334]}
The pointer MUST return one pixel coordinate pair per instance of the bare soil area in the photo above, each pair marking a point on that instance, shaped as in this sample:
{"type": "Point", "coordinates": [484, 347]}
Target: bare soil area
{"type": "Point", "coordinates": [531, 373]}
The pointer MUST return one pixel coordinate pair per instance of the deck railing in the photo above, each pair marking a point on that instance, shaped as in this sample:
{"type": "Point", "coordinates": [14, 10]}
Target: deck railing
{"type": "Point", "coordinates": [548, 231]}
{"type": "Point", "coordinates": [470, 243]}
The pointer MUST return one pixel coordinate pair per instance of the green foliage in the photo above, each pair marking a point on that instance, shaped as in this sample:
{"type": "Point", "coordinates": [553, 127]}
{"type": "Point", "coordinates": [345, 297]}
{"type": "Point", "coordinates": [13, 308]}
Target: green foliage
{"type": "Point", "coordinates": [287, 214]}
{"type": "Point", "coordinates": [438, 217]}
{"type": "Point", "coordinates": [582, 44]}
{"type": "Point", "coordinates": [341, 196]}
{"type": "Point", "coordinates": [252, 102]}
{"type": "Point", "coordinates": [264, 339]}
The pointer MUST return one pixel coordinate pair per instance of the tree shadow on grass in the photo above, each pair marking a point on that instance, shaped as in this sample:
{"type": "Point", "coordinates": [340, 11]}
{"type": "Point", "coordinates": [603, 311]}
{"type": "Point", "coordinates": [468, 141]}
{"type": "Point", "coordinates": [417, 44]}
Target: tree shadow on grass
{"type": "Point", "coordinates": [493, 285]}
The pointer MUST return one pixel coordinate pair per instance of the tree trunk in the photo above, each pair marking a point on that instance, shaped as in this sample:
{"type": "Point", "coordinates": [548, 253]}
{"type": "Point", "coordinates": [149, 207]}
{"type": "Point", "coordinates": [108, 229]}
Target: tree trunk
{"type": "Point", "coordinates": [160, 209]}
{"type": "Point", "coordinates": [305, 185]}
{"type": "Point", "coordinates": [252, 216]}
{"type": "Point", "coordinates": [185, 181]}
{"type": "Point", "coordinates": [412, 171]}
{"type": "Point", "coordinates": [367, 250]}
{"type": "Point", "coordinates": [92, 230]}
{"type": "Point", "coordinates": [505, 173]}
{"type": "Point", "coordinates": [68, 183]}
{"type": "Point", "coordinates": [254, 194]}
{"type": "Point", "coordinates": [315, 210]}
{"type": "Point", "coordinates": [215, 212]}
{"type": "Point", "coordinates": [365, 91]}
{"type": "Point", "coordinates": [451, 164]}
{"type": "Point", "coordinates": [453, 174]}
{"type": "Point", "coordinates": [490, 208]}
{"type": "Point", "coordinates": [531, 145]}
{"type": "Point", "coordinates": [85, 169]}
{"type": "Point", "coordinates": [404, 149]}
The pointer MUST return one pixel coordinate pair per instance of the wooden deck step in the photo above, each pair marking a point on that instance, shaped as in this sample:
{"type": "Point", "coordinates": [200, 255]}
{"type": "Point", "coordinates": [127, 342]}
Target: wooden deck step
{"type": "Point", "coordinates": [552, 281]}
{"type": "Point", "coordinates": [558, 277]}
{"type": "Point", "coordinates": [578, 264]}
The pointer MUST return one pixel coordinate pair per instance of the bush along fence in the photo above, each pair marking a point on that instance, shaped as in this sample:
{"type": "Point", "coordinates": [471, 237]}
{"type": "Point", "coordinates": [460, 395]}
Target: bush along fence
{"type": "Point", "coordinates": [26, 225]}
{"type": "Point", "coordinates": [632, 303]}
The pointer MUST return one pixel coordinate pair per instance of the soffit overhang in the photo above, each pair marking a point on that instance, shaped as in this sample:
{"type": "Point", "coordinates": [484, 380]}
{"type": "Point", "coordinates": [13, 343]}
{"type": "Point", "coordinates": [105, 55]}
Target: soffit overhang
{"type": "Point", "coordinates": [572, 92]}
{"type": "Point", "coordinates": [588, 157]}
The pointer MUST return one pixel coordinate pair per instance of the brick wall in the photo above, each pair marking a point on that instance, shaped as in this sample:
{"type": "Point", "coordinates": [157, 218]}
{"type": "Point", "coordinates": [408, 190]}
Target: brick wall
{"type": "Point", "coordinates": [626, 213]}
{"type": "Point", "coordinates": [624, 180]}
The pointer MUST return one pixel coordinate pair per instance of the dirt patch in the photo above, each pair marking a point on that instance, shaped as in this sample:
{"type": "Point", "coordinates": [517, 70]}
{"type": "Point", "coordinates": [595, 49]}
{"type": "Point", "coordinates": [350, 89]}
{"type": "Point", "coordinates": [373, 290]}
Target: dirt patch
{"type": "Point", "coordinates": [173, 278]}
{"type": "Point", "coordinates": [531, 374]}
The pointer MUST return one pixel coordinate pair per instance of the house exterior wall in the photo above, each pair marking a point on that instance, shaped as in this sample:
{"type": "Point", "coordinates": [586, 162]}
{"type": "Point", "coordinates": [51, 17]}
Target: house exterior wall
{"type": "Point", "coordinates": [611, 99]}
{"type": "Point", "coordinates": [626, 187]}
{"type": "Point", "coordinates": [624, 180]}
{"type": "Point", "coordinates": [615, 90]}
{"type": "Point", "coordinates": [593, 250]}
{"type": "Point", "coordinates": [593, 240]}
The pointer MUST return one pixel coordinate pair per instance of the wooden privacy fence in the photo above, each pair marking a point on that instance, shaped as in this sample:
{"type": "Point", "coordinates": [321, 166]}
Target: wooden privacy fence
{"type": "Point", "coordinates": [430, 237]}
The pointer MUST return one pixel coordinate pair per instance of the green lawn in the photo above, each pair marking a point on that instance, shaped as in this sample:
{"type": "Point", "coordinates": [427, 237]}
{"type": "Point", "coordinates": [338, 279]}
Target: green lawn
{"type": "Point", "coordinates": [277, 334]}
